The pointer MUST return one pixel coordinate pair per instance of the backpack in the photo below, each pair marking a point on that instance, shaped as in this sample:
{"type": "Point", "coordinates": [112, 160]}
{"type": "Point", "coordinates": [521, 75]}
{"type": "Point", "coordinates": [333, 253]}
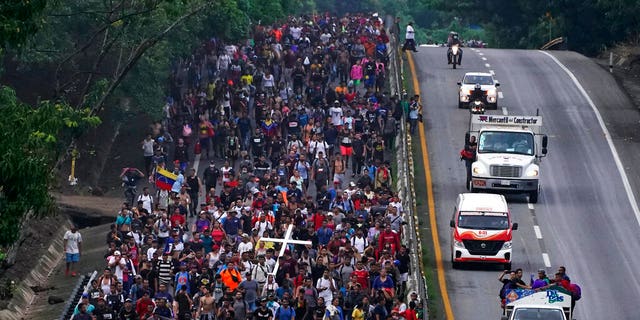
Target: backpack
{"type": "Point", "coordinates": [576, 291]}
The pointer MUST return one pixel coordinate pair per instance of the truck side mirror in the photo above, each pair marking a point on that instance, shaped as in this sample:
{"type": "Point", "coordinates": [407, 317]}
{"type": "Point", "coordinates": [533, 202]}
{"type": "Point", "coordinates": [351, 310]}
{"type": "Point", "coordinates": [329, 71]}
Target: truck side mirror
{"type": "Point", "coordinates": [452, 224]}
{"type": "Point", "coordinates": [497, 84]}
{"type": "Point", "coordinates": [467, 136]}
{"type": "Point", "coordinates": [514, 226]}
{"type": "Point", "coordinates": [545, 141]}
{"type": "Point", "coordinates": [459, 83]}
{"type": "Point", "coordinates": [504, 318]}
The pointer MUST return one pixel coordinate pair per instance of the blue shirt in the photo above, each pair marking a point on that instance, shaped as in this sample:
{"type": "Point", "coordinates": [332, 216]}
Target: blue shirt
{"type": "Point", "coordinates": [285, 313]}
{"type": "Point", "coordinates": [231, 225]}
{"type": "Point", "coordinates": [182, 279]}
{"type": "Point", "coordinates": [324, 235]}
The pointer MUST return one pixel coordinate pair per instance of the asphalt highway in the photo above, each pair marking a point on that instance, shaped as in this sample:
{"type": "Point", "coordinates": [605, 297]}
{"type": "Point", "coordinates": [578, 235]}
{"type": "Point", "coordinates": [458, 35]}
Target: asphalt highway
{"type": "Point", "coordinates": [584, 218]}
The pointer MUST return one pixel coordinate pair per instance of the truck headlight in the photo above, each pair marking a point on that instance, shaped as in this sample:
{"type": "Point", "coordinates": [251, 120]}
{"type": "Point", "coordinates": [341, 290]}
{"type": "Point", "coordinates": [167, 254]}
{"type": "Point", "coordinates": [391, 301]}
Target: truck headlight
{"type": "Point", "coordinates": [478, 170]}
{"type": "Point", "coordinates": [491, 92]}
{"type": "Point", "coordinates": [458, 244]}
{"type": "Point", "coordinates": [506, 245]}
{"type": "Point", "coordinates": [533, 172]}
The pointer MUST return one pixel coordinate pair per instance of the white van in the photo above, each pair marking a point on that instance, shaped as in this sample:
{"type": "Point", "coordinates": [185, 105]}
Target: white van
{"type": "Point", "coordinates": [481, 230]}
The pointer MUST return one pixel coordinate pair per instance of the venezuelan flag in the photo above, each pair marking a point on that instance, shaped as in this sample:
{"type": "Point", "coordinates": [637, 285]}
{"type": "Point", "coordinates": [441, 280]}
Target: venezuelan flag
{"type": "Point", "coordinates": [165, 179]}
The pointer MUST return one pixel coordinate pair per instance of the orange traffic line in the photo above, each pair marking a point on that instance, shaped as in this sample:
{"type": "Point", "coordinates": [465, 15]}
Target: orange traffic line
{"type": "Point", "coordinates": [431, 203]}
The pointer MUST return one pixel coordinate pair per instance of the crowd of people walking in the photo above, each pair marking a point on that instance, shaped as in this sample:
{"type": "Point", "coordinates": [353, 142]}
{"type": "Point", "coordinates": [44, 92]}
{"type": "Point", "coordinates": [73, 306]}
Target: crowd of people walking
{"type": "Point", "coordinates": [295, 131]}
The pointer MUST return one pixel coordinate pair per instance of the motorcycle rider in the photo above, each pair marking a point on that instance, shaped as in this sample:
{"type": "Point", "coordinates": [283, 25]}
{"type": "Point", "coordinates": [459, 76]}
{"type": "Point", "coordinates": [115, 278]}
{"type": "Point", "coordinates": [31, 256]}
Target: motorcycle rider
{"type": "Point", "coordinates": [454, 39]}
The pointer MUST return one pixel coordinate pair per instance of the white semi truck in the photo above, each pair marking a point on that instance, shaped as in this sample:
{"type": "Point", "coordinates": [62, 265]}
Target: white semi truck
{"type": "Point", "coordinates": [508, 154]}
{"type": "Point", "coordinates": [530, 305]}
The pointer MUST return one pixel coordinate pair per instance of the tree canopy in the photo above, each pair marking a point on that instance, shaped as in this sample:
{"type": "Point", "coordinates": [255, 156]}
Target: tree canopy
{"type": "Point", "coordinates": [31, 139]}
{"type": "Point", "coordinates": [88, 54]}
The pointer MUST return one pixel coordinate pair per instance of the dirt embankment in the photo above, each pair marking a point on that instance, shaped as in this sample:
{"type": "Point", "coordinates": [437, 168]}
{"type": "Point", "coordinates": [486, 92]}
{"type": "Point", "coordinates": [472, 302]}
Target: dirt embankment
{"type": "Point", "coordinates": [626, 68]}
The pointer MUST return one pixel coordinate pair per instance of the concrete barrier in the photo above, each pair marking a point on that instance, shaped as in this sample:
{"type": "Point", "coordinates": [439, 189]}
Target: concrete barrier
{"type": "Point", "coordinates": [23, 295]}
{"type": "Point", "coordinates": [405, 178]}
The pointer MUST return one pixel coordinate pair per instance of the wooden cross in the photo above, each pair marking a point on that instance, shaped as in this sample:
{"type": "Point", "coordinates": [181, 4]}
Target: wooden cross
{"type": "Point", "coordinates": [285, 241]}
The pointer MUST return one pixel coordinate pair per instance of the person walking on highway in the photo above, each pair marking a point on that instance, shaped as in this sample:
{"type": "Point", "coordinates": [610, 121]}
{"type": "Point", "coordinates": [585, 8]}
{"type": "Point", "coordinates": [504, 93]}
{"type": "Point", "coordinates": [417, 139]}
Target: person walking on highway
{"type": "Point", "coordinates": [72, 249]}
{"type": "Point", "coordinates": [410, 38]}
{"type": "Point", "coordinates": [415, 112]}
{"type": "Point", "coordinates": [195, 191]}
{"type": "Point", "coordinates": [468, 155]}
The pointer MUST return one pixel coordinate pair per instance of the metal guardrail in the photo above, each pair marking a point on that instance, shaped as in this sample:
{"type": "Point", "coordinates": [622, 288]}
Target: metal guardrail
{"type": "Point", "coordinates": [75, 295]}
{"type": "Point", "coordinates": [405, 188]}
{"type": "Point", "coordinates": [552, 43]}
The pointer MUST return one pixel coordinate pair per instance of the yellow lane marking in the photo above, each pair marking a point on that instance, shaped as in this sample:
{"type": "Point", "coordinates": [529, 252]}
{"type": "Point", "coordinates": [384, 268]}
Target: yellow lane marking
{"type": "Point", "coordinates": [432, 211]}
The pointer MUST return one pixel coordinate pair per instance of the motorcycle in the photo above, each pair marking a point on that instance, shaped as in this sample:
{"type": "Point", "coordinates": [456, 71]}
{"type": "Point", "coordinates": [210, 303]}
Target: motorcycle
{"type": "Point", "coordinates": [455, 49]}
{"type": "Point", "coordinates": [476, 107]}
{"type": "Point", "coordinates": [477, 98]}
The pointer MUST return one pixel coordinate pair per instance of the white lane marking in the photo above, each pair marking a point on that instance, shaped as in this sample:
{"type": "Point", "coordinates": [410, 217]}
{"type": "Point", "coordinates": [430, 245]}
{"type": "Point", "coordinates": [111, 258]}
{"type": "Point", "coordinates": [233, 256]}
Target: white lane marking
{"type": "Point", "coordinates": [612, 147]}
{"type": "Point", "coordinates": [493, 73]}
{"type": "Point", "coordinates": [484, 58]}
{"type": "Point", "coordinates": [487, 65]}
{"type": "Point", "coordinates": [500, 95]}
{"type": "Point", "coordinates": [504, 111]}
{"type": "Point", "coordinates": [480, 53]}
{"type": "Point", "coordinates": [530, 205]}
{"type": "Point", "coordinates": [547, 261]}
{"type": "Point", "coordinates": [536, 229]}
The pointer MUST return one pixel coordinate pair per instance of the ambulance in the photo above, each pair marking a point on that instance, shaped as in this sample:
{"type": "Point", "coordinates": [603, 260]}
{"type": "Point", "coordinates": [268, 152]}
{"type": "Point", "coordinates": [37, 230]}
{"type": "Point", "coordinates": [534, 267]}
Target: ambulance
{"type": "Point", "coordinates": [481, 230]}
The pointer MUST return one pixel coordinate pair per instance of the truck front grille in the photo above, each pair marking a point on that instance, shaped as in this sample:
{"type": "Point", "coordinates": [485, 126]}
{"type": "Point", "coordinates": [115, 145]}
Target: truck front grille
{"type": "Point", "coordinates": [482, 247]}
{"type": "Point", "coordinates": [506, 171]}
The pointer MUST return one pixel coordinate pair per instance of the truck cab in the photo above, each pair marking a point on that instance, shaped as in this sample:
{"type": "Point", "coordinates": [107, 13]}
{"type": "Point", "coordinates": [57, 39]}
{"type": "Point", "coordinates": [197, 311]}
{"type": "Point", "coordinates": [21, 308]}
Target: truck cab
{"type": "Point", "coordinates": [508, 154]}
{"type": "Point", "coordinates": [531, 305]}
{"type": "Point", "coordinates": [481, 230]}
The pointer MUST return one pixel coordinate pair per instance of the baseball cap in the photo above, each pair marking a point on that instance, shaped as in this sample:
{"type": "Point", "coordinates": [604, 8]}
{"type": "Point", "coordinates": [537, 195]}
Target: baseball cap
{"type": "Point", "coordinates": [128, 300]}
{"type": "Point", "coordinates": [116, 253]}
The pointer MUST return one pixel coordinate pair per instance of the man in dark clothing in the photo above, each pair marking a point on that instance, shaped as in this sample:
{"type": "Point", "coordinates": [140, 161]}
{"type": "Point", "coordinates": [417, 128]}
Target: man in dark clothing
{"type": "Point", "coordinates": [211, 176]}
{"type": "Point", "coordinates": [468, 155]}
{"type": "Point", "coordinates": [181, 154]}
{"type": "Point", "coordinates": [244, 126]}
{"type": "Point", "coordinates": [358, 154]}
{"type": "Point", "coordinates": [194, 190]}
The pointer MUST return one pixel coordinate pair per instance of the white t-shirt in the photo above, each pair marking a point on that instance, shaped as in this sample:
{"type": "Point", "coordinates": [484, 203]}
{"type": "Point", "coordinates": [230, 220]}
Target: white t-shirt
{"type": "Point", "coordinates": [359, 243]}
{"type": "Point", "coordinates": [296, 32]}
{"type": "Point", "coordinates": [245, 247]}
{"type": "Point", "coordinates": [410, 33]}
{"type": "Point", "coordinates": [325, 283]}
{"type": "Point", "coordinates": [147, 202]}
{"type": "Point", "coordinates": [73, 239]}
{"type": "Point", "coordinates": [336, 115]}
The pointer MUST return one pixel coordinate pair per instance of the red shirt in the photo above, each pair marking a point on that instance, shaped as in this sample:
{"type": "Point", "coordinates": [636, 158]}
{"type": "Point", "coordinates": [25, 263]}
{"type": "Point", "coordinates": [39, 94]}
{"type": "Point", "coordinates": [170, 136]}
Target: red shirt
{"type": "Point", "coordinates": [362, 277]}
{"type": "Point", "coordinates": [317, 221]}
{"type": "Point", "coordinates": [389, 237]}
{"type": "Point", "coordinates": [177, 219]}
{"type": "Point", "coordinates": [142, 307]}
{"type": "Point", "coordinates": [217, 235]}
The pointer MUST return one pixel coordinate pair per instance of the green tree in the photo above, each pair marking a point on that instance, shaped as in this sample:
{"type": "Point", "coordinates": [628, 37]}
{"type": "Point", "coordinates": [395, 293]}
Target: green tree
{"type": "Point", "coordinates": [30, 142]}
{"type": "Point", "coordinates": [19, 20]}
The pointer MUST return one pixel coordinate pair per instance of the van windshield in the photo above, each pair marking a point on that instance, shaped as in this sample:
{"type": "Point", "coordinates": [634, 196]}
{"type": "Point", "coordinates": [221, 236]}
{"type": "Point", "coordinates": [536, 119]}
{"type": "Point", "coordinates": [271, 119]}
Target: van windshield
{"type": "Point", "coordinates": [538, 314]}
{"type": "Point", "coordinates": [483, 220]}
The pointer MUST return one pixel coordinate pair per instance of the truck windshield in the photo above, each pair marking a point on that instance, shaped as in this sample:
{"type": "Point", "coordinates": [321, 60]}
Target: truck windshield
{"type": "Point", "coordinates": [483, 221]}
{"type": "Point", "coordinates": [538, 314]}
{"type": "Point", "coordinates": [506, 142]}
